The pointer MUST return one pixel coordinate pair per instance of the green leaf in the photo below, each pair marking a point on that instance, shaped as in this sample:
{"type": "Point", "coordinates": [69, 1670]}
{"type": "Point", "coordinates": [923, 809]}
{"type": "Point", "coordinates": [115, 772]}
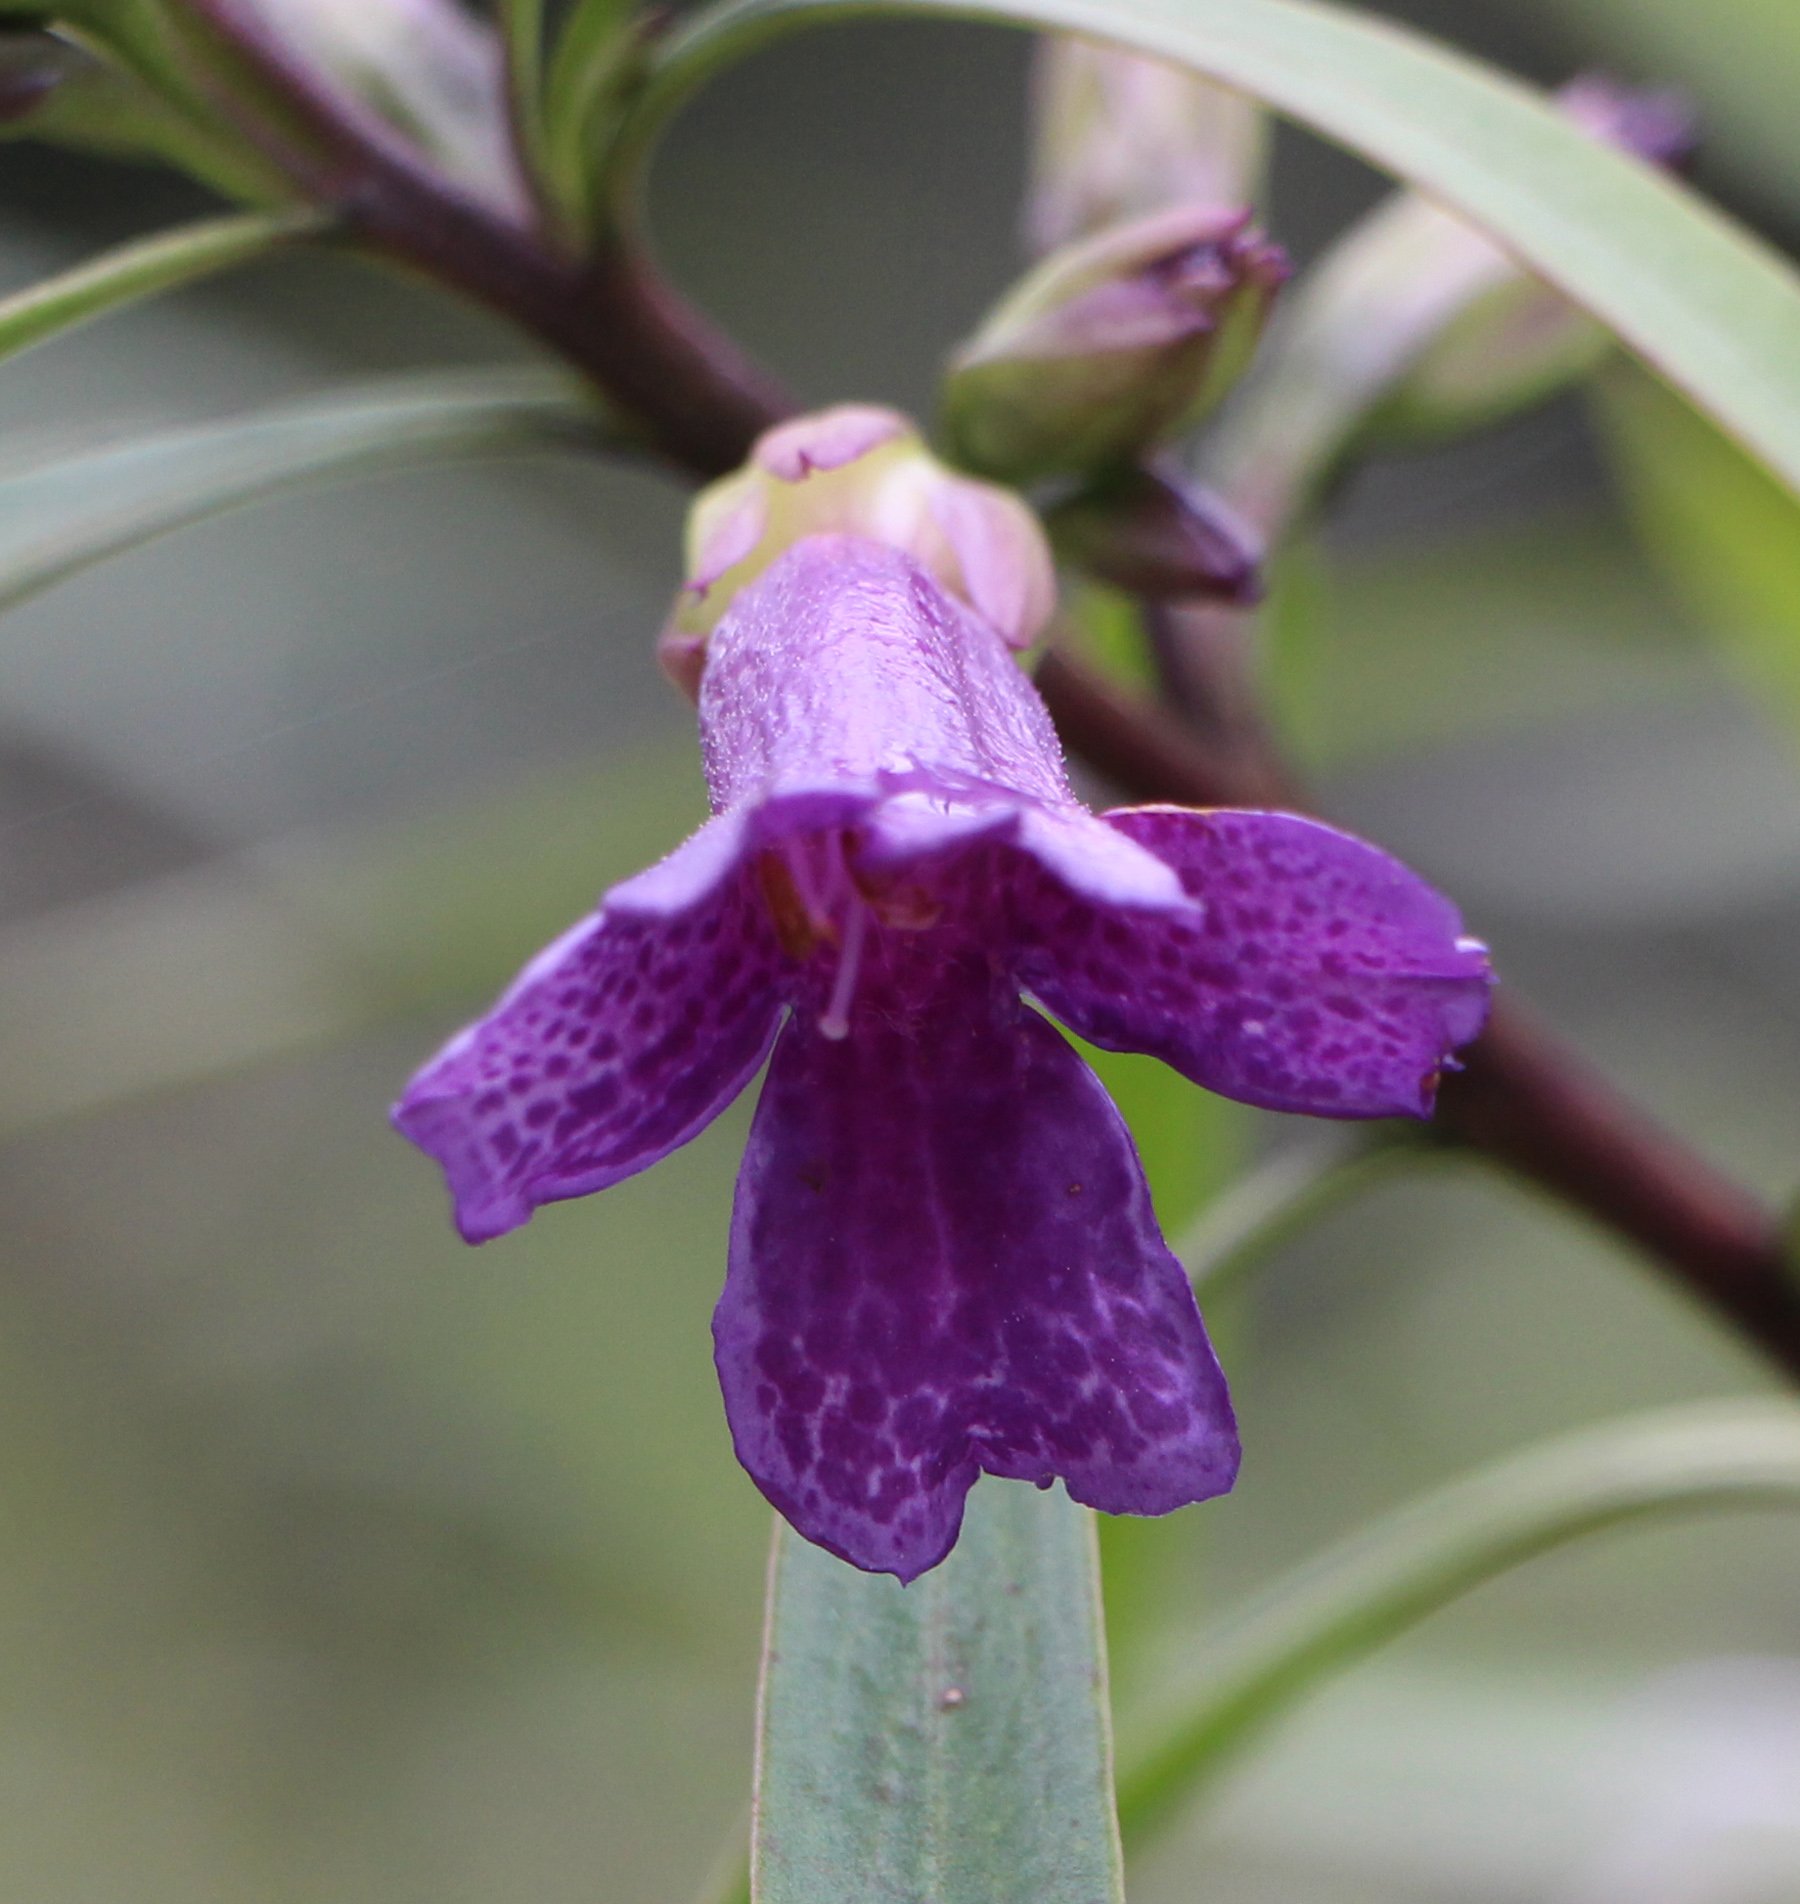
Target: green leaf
{"type": "Point", "coordinates": [64, 93]}
{"type": "Point", "coordinates": [1737, 61]}
{"type": "Point", "coordinates": [947, 1742]}
{"type": "Point", "coordinates": [522, 33]}
{"type": "Point", "coordinates": [1351, 1600]}
{"type": "Point", "coordinates": [595, 62]}
{"type": "Point", "coordinates": [1280, 1198]}
{"type": "Point", "coordinates": [58, 518]}
{"type": "Point", "coordinates": [141, 269]}
{"type": "Point", "coordinates": [1724, 533]}
{"type": "Point", "coordinates": [1713, 309]}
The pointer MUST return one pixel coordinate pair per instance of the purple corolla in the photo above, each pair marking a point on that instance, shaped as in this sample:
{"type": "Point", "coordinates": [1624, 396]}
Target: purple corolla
{"type": "Point", "coordinates": [943, 1258]}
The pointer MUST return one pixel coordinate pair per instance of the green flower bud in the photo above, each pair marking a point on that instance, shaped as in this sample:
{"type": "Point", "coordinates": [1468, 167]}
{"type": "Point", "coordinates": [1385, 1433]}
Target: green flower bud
{"type": "Point", "coordinates": [863, 471]}
{"type": "Point", "coordinates": [1112, 346]}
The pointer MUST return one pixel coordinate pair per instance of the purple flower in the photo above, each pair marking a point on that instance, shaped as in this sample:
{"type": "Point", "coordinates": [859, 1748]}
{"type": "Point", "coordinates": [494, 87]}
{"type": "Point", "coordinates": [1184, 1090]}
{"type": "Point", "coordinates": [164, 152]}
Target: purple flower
{"type": "Point", "coordinates": [943, 1257]}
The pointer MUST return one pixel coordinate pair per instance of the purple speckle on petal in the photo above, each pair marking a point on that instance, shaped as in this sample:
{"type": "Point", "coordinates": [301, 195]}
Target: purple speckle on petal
{"type": "Point", "coordinates": [943, 1256]}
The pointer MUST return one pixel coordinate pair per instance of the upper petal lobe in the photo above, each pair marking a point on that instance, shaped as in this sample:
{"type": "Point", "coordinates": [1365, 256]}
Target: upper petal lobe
{"type": "Point", "coordinates": [1314, 974]}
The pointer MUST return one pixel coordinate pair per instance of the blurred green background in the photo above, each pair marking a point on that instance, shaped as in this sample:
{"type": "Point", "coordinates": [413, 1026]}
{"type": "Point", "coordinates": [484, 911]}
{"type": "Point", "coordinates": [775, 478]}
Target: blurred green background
{"type": "Point", "coordinates": [344, 1563]}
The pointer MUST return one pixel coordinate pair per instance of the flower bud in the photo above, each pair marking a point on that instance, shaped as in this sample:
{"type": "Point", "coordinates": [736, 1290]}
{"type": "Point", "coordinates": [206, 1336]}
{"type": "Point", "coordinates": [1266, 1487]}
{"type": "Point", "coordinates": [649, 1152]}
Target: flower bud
{"type": "Point", "coordinates": [1114, 345]}
{"type": "Point", "coordinates": [1153, 532]}
{"type": "Point", "coordinates": [1116, 135]}
{"type": "Point", "coordinates": [863, 471]}
{"type": "Point", "coordinates": [1445, 328]}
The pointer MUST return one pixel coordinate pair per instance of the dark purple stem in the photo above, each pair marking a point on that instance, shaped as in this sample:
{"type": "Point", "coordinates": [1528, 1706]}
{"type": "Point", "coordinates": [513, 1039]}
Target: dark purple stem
{"type": "Point", "coordinates": [699, 401]}
{"type": "Point", "coordinates": [1523, 1100]}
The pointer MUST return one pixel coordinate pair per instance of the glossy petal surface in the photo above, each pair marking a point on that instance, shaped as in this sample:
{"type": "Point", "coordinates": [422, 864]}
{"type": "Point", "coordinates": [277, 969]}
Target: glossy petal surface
{"type": "Point", "coordinates": [846, 660]}
{"type": "Point", "coordinates": [944, 1260]}
{"type": "Point", "coordinates": [617, 1044]}
{"type": "Point", "coordinates": [1318, 974]}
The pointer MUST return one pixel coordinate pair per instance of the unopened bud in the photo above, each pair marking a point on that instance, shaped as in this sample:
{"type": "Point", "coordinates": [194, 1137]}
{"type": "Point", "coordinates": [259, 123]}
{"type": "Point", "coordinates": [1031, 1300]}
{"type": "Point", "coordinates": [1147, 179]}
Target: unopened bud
{"type": "Point", "coordinates": [1461, 333]}
{"type": "Point", "coordinates": [1116, 136]}
{"type": "Point", "coordinates": [1112, 346]}
{"type": "Point", "coordinates": [1153, 532]}
{"type": "Point", "coordinates": [1655, 123]}
{"type": "Point", "coordinates": [863, 471]}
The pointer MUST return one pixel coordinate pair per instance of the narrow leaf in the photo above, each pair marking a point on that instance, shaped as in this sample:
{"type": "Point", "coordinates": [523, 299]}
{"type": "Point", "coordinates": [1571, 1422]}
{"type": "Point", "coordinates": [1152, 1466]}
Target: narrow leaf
{"type": "Point", "coordinates": [1723, 533]}
{"type": "Point", "coordinates": [593, 55]}
{"type": "Point", "coordinates": [1281, 1198]}
{"type": "Point", "coordinates": [58, 518]}
{"type": "Point", "coordinates": [947, 1742]}
{"type": "Point", "coordinates": [522, 30]}
{"type": "Point", "coordinates": [1351, 1600]}
{"type": "Point", "coordinates": [1712, 308]}
{"type": "Point", "coordinates": [141, 269]}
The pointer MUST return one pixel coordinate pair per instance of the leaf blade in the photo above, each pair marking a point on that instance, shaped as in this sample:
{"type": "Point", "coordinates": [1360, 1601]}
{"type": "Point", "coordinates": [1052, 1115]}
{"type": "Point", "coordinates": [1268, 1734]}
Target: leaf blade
{"type": "Point", "coordinates": [1339, 1607]}
{"type": "Point", "coordinates": [1712, 521]}
{"type": "Point", "coordinates": [1693, 293]}
{"type": "Point", "coordinates": [142, 268]}
{"type": "Point", "coordinates": [59, 518]}
{"type": "Point", "coordinates": [522, 36]}
{"type": "Point", "coordinates": [946, 1741]}
{"type": "Point", "coordinates": [585, 71]}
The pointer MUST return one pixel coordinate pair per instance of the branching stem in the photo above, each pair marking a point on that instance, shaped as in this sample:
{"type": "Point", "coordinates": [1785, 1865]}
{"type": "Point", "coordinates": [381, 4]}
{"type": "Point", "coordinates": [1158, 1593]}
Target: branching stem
{"type": "Point", "coordinates": [1522, 1100]}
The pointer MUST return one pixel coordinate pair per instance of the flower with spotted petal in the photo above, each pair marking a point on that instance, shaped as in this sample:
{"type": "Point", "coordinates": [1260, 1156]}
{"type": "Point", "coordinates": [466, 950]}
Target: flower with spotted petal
{"type": "Point", "coordinates": [943, 1258]}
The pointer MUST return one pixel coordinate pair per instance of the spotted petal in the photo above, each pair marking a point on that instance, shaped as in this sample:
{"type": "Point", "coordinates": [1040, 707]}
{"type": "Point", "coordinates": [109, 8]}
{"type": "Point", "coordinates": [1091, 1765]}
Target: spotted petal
{"type": "Point", "coordinates": [614, 1046]}
{"type": "Point", "coordinates": [944, 1260]}
{"type": "Point", "coordinates": [1317, 974]}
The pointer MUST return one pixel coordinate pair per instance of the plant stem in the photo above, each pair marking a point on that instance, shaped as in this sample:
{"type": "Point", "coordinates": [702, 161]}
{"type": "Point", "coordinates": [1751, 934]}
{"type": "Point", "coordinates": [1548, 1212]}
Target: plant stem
{"type": "Point", "coordinates": [700, 401]}
{"type": "Point", "coordinates": [1522, 1100]}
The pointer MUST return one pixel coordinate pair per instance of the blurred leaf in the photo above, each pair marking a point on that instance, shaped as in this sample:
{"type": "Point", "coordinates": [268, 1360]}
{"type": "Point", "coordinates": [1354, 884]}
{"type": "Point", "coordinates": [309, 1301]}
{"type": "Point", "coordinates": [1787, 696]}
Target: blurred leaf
{"type": "Point", "coordinates": [1347, 1602]}
{"type": "Point", "coordinates": [947, 1741]}
{"type": "Point", "coordinates": [1277, 1200]}
{"type": "Point", "coordinates": [1716, 311]}
{"type": "Point", "coordinates": [1291, 639]}
{"type": "Point", "coordinates": [60, 517]}
{"type": "Point", "coordinates": [1191, 1141]}
{"type": "Point", "coordinates": [141, 269]}
{"type": "Point", "coordinates": [1500, 627]}
{"type": "Point", "coordinates": [1723, 531]}
{"type": "Point", "coordinates": [1193, 1145]}
{"type": "Point", "coordinates": [594, 59]}
{"type": "Point", "coordinates": [214, 970]}
{"type": "Point", "coordinates": [63, 93]}
{"type": "Point", "coordinates": [1738, 57]}
{"type": "Point", "coordinates": [1108, 626]}
{"type": "Point", "coordinates": [522, 29]}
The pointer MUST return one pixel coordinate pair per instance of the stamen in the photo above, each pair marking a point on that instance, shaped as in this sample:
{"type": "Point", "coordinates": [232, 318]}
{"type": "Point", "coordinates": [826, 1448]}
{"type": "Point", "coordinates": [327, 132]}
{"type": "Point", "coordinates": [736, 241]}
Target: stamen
{"type": "Point", "coordinates": [836, 1020]}
{"type": "Point", "coordinates": [813, 888]}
